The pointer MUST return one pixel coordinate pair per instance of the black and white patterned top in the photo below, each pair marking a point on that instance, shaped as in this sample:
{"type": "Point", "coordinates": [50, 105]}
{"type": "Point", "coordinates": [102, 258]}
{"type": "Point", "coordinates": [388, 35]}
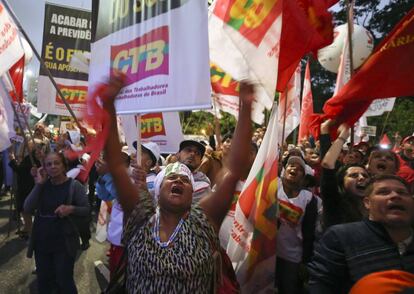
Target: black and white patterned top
{"type": "Point", "coordinates": [186, 266]}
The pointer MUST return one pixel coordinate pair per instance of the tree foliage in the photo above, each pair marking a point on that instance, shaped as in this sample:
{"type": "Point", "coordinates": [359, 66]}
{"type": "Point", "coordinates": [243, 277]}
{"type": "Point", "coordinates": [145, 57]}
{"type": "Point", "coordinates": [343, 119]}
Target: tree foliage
{"type": "Point", "coordinates": [379, 19]}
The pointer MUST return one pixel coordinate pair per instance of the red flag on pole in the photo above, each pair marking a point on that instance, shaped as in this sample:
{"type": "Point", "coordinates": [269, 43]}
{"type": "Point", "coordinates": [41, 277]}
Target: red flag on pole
{"type": "Point", "coordinates": [307, 105]}
{"type": "Point", "coordinates": [387, 73]}
{"type": "Point", "coordinates": [16, 74]}
{"type": "Point", "coordinates": [385, 140]}
{"type": "Point", "coordinates": [306, 26]}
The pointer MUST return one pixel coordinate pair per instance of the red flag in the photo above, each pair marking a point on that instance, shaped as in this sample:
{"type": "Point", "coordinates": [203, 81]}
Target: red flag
{"type": "Point", "coordinates": [385, 140]}
{"type": "Point", "coordinates": [387, 73]}
{"type": "Point", "coordinates": [306, 26]}
{"type": "Point", "coordinates": [16, 74]}
{"type": "Point", "coordinates": [307, 105]}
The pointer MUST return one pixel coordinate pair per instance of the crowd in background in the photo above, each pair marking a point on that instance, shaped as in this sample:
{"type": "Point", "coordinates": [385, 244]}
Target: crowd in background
{"type": "Point", "coordinates": [345, 211]}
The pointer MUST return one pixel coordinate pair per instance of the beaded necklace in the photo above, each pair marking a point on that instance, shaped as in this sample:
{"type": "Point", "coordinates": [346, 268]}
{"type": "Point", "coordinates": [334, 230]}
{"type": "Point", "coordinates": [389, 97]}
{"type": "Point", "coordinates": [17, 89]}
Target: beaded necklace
{"type": "Point", "coordinates": [156, 230]}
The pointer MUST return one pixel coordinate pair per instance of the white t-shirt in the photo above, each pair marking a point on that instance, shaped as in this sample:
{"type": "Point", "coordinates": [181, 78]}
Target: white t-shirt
{"type": "Point", "coordinates": [289, 236]}
{"type": "Point", "coordinates": [115, 225]}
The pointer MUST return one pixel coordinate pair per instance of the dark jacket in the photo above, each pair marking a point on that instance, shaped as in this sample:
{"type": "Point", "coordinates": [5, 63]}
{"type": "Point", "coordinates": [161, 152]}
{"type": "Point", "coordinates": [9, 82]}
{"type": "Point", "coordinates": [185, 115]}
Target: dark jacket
{"type": "Point", "coordinates": [77, 197]}
{"type": "Point", "coordinates": [348, 252]}
{"type": "Point", "coordinates": [25, 180]}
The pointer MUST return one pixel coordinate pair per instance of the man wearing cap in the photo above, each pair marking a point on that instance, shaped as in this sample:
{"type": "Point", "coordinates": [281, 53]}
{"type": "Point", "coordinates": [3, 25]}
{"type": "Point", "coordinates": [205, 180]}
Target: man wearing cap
{"type": "Point", "coordinates": [298, 210]}
{"type": "Point", "coordinates": [406, 158]}
{"type": "Point", "coordinates": [191, 152]}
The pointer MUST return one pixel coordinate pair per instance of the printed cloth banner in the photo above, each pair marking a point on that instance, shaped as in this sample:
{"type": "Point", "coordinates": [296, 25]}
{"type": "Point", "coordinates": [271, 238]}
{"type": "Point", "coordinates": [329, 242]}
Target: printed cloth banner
{"type": "Point", "coordinates": [11, 49]}
{"type": "Point", "coordinates": [161, 47]}
{"type": "Point", "coordinates": [244, 41]}
{"type": "Point", "coordinates": [252, 244]}
{"type": "Point", "coordinates": [6, 120]}
{"type": "Point", "coordinates": [66, 31]}
{"type": "Point", "coordinates": [307, 106]}
{"type": "Point", "coordinates": [226, 95]}
{"type": "Point", "coordinates": [289, 107]}
{"type": "Point", "coordinates": [163, 128]}
{"type": "Point", "coordinates": [379, 106]}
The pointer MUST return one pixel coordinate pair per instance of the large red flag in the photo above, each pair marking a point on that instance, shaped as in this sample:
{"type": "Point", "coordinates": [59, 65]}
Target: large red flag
{"type": "Point", "coordinates": [307, 105]}
{"type": "Point", "coordinates": [306, 26]}
{"type": "Point", "coordinates": [387, 73]}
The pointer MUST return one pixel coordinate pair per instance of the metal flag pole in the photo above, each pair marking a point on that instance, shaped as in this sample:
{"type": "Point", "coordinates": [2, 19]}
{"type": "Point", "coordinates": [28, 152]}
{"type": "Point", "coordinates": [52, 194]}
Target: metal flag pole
{"type": "Point", "coordinates": [42, 63]}
{"type": "Point", "coordinates": [350, 17]}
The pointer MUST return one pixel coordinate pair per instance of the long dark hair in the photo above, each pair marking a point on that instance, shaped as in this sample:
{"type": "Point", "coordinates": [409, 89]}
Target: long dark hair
{"type": "Point", "coordinates": [340, 175]}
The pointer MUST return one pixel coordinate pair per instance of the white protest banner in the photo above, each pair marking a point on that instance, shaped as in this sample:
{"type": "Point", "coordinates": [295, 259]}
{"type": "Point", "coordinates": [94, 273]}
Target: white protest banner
{"type": "Point", "coordinates": [10, 47]}
{"type": "Point", "coordinates": [163, 128]}
{"type": "Point", "coordinates": [161, 47]}
{"type": "Point", "coordinates": [66, 31]}
{"type": "Point", "coordinates": [379, 106]}
{"type": "Point", "coordinates": [6, 120]}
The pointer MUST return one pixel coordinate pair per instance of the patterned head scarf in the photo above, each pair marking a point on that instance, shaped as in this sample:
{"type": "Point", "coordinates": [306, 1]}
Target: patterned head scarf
{"type": "Point", "coordinates": [172, 168]}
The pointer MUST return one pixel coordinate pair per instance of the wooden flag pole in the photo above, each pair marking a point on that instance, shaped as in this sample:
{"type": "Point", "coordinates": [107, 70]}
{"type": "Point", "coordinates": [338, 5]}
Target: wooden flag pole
{"type": "Point", "coordinates": [284, 117]}
{"type": "Point", "coordinates": [42, 63]}
{"type": "Point", "coordinates": [139, 139]}
{"type": "Point", "coordinates": [217, 130]}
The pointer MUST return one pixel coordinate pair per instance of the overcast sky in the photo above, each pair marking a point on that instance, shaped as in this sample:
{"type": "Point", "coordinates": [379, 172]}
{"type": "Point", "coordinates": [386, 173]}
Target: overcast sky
{"type": "Point", "coordinates": [31, 14]}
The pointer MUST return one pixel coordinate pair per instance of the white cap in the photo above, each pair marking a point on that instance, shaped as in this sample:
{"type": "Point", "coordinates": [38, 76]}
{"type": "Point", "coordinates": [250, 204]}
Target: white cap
{"type": "Point", "coordinates": [154, 149]}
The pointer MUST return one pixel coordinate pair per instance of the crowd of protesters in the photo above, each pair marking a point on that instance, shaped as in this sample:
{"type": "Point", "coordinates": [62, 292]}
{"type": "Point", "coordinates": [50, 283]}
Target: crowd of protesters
{"type": "Point", "coordinates": [345, 214]}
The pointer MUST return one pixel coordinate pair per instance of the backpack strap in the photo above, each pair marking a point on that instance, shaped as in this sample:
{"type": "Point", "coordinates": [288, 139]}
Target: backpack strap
{"type": "Point", "coordinates": [69, 200]}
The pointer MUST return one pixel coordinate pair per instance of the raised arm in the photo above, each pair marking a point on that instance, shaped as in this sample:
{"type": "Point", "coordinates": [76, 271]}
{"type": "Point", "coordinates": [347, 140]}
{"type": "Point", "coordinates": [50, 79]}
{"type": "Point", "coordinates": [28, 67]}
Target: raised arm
{"type": "Point", "coordinates": [32, 201]}
{"type": "Point", "coordinates": [218, 202]}
{"type": "Point", "coordinates": [332, 155]}
{"type": "Point", "coordinates": [127, 192]}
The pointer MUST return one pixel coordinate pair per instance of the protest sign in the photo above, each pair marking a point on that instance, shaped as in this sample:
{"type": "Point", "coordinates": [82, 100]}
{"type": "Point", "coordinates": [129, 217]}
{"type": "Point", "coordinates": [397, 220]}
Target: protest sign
{"type": "Point", "coordinates": [161, 47]}
{"type": "Point", "coordinates": [66, 31]}
{"type": "Point", "coordinates": [163, 128]}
